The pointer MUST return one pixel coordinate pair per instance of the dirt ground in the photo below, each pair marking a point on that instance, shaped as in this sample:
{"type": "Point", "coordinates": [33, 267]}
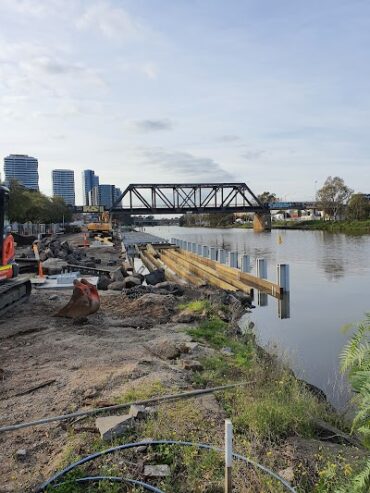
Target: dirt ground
{"type": "Point", "coordinates": [77, 366]}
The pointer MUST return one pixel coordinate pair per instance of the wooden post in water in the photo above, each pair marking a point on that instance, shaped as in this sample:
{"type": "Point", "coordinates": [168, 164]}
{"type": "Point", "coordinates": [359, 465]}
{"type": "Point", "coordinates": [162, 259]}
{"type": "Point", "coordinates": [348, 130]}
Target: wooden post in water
{"type": "Point", "coordinates": [199, 250]}
{"type": "Point", "coordinates": [205, 251]}
{"type": "Point", "coordinates": [228, 455]}
{"type": "Point", "coordinates": [194, 248]}
{"type": "Point", "coordinates": [188, 247]}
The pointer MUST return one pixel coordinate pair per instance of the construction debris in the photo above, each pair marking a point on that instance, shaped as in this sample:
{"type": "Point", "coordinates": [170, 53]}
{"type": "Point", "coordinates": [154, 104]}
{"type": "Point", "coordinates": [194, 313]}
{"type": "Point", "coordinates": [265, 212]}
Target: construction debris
{"type": "Point", "coordinates": [111, 427]}
{"type": "Point", "coordinates": [157, 471]}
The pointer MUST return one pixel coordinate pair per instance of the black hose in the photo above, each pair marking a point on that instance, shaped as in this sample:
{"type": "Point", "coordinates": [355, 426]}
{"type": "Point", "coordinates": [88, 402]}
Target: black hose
{"type": "Point", "coordinates": [156, 443]}
{"type": "Point", "coordinates": [113, 479]}
{"type": "Point", "coordinates": [98, 410]}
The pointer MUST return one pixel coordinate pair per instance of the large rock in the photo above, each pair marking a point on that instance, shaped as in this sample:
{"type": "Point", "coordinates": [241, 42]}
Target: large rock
{"type": "Point", "coordinates": [138, 411]}
{"type": "Point", "coordinates": [168, 287]}
{"type": "Point", "coordinates": [166, 350]}
{"type": "Point", "coordinates": [111, 427]}
{"type": "Point", "coordinates": [53, 264]}
{"type": "Point", "coordinates": [117, 275]}
{"type": "Point", "coordinates": [103, 282]}
{"type": "Point", "coordinates": [116, 286]}
{"type": "Point", "coordinates": [131, 282]}
{"type": "Point", "coordinates": [155, 277]}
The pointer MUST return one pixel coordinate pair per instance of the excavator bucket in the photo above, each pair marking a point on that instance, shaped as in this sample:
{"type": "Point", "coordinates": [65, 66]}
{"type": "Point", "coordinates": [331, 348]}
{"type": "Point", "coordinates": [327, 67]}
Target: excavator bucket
{"type": "Point", "coordinates": [84, 301]}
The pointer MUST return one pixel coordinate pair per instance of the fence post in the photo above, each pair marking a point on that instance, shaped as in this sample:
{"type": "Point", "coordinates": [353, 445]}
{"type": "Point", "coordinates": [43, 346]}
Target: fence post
{"type": "Point", "coordinates": [228, 455]}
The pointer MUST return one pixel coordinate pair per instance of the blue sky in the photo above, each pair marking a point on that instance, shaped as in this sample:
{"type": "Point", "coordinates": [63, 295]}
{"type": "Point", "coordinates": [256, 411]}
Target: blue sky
{"type": "Point", "coordinates": [274, 93]}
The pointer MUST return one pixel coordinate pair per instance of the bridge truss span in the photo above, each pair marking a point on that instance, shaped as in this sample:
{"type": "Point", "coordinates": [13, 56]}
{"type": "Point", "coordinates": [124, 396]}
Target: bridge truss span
{"type": "Point", "coordinates": [171, 198]}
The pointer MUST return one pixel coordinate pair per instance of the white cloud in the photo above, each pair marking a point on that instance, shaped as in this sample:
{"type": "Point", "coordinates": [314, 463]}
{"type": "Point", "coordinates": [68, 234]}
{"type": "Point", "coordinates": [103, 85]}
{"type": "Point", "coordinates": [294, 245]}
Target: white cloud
{"type": "Point", "coordinates": [113, 22]}
{"type": "Point", "coordinates": [177, 166]}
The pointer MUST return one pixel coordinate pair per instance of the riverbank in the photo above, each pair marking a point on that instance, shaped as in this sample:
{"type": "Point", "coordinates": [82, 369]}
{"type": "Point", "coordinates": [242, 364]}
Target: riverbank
{"type": "Point", "coordinates": [141, 345]}
{"type": "Point", "coordinates": [347, 227]}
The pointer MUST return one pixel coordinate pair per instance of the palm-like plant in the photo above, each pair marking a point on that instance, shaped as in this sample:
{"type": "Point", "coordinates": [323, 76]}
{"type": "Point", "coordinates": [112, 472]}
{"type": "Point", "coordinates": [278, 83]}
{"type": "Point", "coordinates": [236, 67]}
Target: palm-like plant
{"type": "Point", "coordinates": [355, 360]}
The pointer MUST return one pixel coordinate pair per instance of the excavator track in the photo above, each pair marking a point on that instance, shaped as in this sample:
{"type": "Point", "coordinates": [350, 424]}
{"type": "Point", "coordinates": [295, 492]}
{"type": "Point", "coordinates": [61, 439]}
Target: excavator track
{"type": "Point", "coordinates": [13, 292]}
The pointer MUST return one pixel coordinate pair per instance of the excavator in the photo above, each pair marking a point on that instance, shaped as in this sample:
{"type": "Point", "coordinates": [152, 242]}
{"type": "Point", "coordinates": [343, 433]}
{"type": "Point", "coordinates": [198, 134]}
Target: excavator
{"type": "Point", "coordinates": [103, 227]}
{"type": "Point", "coordinates": [12, 290]}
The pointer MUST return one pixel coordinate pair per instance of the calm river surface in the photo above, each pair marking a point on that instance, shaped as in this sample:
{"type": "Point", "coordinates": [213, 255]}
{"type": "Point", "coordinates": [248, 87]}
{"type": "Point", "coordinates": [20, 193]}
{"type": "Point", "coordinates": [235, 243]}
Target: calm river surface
{"type": "Point", "coordinates": [329, 287]}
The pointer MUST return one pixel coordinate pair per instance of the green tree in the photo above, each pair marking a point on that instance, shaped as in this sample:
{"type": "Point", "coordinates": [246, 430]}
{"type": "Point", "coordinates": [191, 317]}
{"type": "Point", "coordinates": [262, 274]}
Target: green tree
{"type": "Point", "coordinates": [333, 196]}
{"type": "Point", "coordinates": [30, 205]}
{"type": "Point", "coordinates": [267, 197]}
{"type": "Point", "coordinates": [59, 211]}
{"type": "Point", "coordinates": [358, 207]}
{"type": "Point", "coordinates": [19, 202]}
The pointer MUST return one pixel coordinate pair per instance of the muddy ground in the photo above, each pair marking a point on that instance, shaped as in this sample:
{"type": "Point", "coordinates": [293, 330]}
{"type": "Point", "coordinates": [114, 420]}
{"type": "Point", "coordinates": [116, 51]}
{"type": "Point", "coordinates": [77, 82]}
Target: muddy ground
{"type": "Point", "coordinates": [77, 366]}
{"type": "Point", "coordinates": [51, 366]}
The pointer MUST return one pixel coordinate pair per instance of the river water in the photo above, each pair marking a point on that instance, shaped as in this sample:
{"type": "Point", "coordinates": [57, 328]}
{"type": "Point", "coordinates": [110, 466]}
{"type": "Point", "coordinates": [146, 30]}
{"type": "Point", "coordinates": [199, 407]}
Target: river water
{"type": "Point", "coordinates": [329, 287]}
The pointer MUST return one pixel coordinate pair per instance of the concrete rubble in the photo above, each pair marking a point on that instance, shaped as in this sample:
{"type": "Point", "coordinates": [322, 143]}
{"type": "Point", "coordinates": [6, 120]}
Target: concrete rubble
{"type": "Point", "coordinates": [157, 471]}
{"type": "Point", "coordinates": [111, 427]}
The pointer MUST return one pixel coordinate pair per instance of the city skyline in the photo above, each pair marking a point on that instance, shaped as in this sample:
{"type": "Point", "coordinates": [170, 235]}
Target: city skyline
{"type": "Point", "coordinates": [273, 94]}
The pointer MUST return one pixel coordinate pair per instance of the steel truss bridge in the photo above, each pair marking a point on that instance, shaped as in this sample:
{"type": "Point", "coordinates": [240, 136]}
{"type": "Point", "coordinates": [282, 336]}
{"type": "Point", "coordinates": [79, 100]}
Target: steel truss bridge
{"type": "Point", "coordinates": [171, 198]}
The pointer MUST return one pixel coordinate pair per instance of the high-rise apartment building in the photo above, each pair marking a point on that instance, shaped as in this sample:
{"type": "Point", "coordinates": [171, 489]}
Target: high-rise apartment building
{"type": "Point", "coordinates": [22, 168]}
{"type": "Point", "coordinates": [89, 181]}
{"type": "Point", "coordinates": [106, 195]}
{"type": "Point", "coordinates": [64, 185]}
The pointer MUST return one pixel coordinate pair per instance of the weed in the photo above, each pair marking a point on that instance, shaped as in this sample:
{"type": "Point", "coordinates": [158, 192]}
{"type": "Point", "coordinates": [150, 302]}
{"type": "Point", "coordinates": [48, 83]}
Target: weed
{"type": "Point", "coordinates": [196, 306]}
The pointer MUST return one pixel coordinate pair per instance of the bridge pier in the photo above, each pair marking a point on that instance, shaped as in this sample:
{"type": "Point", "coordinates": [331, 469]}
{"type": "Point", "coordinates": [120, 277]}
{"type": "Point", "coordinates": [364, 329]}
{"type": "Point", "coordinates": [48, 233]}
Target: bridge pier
{"type": "Point", "coordinates": [261, 222]}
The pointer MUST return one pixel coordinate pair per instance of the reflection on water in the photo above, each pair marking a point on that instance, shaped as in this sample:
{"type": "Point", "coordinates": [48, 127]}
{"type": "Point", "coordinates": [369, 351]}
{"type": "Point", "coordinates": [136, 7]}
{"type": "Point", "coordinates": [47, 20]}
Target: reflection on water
{"type": "Point", "coordinates": [329, 287]}
{"type": "Point", "coordinates": [284, 306]}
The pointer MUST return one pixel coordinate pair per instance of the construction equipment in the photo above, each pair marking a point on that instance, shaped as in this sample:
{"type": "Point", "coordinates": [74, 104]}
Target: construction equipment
{"type": "Point", "coordinates": [84, 301]}
{"type": "Point", "coordinates": [103, 227]}
{"type": "Point", "coordinates": [12, 291]}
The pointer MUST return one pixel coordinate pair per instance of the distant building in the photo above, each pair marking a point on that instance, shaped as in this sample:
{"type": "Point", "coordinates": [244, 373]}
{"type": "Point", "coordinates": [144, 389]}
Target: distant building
{"type": "Point", "coordinates": [117, 194]}
{"type": "Point", "coordinates": [22, 168]}
{"type": "Point", "coordinates": [64, 185]}
{"type": "Point", "coordinates": [107, 195]}
{"type": "Point", "coordinates": [89, 181]}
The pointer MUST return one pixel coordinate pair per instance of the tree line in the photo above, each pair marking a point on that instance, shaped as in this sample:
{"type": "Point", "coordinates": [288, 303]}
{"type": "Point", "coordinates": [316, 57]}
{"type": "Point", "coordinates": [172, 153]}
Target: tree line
{"type": "Point", "coordinates": [31, 205]}
{"type": "Point", "coordinates": [336, 199]}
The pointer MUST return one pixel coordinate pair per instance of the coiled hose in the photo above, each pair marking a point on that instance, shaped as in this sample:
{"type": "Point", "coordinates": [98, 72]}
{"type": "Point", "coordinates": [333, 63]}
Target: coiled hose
{"type": "Point", "coordinates": [155, 443]}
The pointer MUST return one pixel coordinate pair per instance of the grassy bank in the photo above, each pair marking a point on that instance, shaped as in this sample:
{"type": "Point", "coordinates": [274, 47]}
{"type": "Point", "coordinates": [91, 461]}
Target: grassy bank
{"type": "Point", "coordinates": [274, 417]}
{"type": "Point", "coordinates": [348, 227]}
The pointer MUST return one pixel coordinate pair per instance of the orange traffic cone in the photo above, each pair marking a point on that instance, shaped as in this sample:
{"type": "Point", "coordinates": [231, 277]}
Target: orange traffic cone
{"type": "Point", "coordinates": [37, 257]}
{"type": "Point", "coordinates": [86, 243]}
{"type": "Point", "coordinates": [41, 272]}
